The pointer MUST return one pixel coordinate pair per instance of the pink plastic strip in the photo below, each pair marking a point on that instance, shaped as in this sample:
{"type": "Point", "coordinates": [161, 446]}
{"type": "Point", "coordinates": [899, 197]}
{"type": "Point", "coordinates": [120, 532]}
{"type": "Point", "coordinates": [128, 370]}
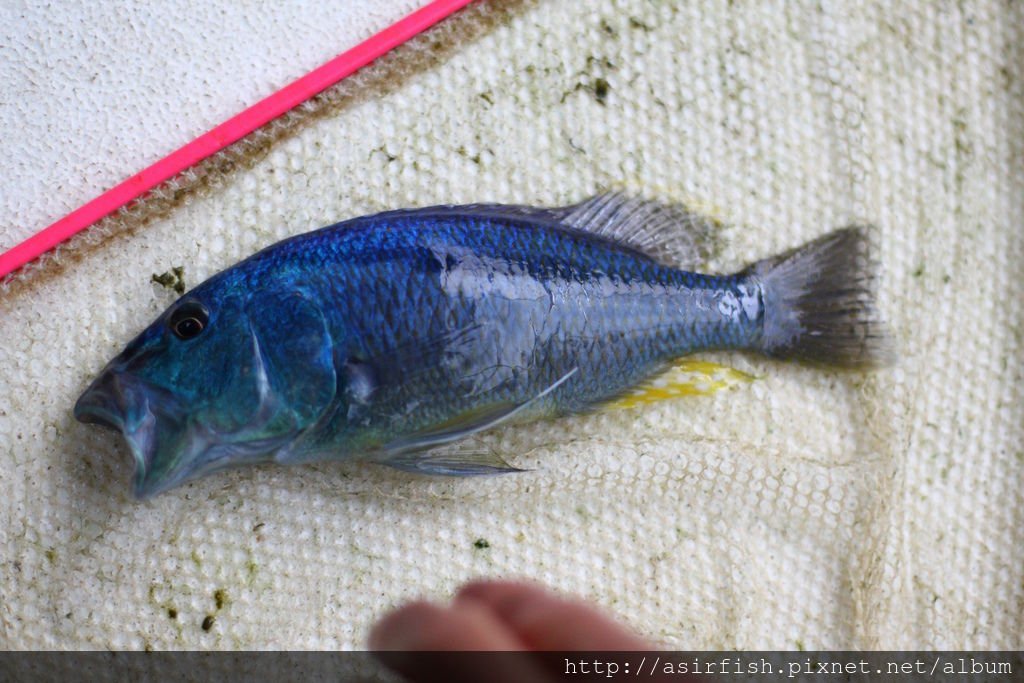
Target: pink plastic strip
{"type": "Point", "coordinates": [228, 132]}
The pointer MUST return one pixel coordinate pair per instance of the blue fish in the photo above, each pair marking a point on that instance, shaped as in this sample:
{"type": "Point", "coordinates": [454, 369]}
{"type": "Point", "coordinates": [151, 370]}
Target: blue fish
{"type": "Point", "coordinates": [390, 337]}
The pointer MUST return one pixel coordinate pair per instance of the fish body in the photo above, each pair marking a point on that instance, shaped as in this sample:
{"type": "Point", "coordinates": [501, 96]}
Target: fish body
{"type": "Point", "coordinates": [388, 336]}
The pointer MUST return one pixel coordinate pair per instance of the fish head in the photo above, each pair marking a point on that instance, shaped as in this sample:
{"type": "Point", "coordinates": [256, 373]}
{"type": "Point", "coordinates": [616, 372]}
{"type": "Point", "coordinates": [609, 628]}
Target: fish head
{"type": "Point", "coordinates": [218, 380]}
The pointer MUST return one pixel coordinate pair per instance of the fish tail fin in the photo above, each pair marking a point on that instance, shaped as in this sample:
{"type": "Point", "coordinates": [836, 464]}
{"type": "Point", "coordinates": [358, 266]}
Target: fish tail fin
{"type": "Point", "coordinates": [819, 302]}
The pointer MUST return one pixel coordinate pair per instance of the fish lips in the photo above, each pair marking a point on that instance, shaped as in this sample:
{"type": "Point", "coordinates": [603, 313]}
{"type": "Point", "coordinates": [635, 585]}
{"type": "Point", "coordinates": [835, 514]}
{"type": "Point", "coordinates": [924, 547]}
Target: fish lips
{"type": "Point", "coordinates": [152, 421]}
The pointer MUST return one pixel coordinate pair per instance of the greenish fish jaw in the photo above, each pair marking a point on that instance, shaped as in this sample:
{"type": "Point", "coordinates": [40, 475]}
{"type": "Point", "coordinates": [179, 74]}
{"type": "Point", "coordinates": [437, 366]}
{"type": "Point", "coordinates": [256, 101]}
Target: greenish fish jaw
{"type": "Point", "coordinates": [164, 446]}
{"type": "Point", "coordinates": [161, 465]}
{"type": "Point", "coordinates": [170, 441]}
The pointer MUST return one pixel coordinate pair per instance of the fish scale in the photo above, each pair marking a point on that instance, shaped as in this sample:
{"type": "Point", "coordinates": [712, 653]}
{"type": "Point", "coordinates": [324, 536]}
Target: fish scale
{"type": "Point", "coordinates": [634, 318]}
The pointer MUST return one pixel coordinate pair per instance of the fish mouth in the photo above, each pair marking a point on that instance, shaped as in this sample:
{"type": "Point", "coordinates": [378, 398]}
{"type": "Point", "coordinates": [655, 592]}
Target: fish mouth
{"type": "Point", "coordinates": [105, 402]}
{"type": "Point", "coordinates": [152, 422]}
{"type": "Point", "coordinates": [169, 443]}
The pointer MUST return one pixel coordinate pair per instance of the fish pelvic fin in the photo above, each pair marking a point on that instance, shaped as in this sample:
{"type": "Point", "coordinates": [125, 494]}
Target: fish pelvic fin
{"type": "Point", "coordinates": [819, 303]}
{"type": "Point", "coordinates": [456, 460]}
{"type": "Point", "coordinates": [688, 377]}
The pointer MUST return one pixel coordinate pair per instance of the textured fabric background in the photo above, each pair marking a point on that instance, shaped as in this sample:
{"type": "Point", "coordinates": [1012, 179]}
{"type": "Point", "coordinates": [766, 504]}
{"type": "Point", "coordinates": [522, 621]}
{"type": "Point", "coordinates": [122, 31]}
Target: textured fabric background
{"type": "Point", "coordinates": [809, 509]}
{"type": "Point", "coordinates": [93, 92]}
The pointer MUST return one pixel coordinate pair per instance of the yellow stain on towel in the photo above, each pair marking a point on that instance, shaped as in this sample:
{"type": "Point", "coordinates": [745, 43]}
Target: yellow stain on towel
{"type": "Point", "coordinates": [685, 378]}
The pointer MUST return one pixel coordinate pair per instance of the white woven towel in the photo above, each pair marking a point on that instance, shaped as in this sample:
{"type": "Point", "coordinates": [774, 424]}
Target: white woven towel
{"type": "Point", "coordinates": [808, 509]}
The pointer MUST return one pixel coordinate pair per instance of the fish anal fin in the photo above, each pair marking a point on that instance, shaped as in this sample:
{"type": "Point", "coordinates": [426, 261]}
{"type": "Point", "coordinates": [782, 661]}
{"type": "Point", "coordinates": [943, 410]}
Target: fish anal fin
{"type": "Point", "coordinates": [684, 378]}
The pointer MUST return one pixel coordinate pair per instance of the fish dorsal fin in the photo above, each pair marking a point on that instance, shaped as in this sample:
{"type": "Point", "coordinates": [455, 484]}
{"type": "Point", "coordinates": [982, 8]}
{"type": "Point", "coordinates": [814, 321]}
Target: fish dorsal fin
{"type": "Point", "coordinates": [668, 233]}
{"type": "Point", "coordinates": [534, 214]}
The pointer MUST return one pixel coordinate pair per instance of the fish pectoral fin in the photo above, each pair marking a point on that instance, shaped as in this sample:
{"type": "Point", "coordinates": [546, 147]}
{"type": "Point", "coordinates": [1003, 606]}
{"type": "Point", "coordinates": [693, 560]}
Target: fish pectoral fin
{"type": "Point", "coordinates": [419, 356]}
{"type": "Point", "coordinates": [465, 424]}
{"type": "Point", "coordinates": [683, 378]}
{"type": "Point", "coordinates": [431, 451]}
{"type": "Point", "coordinates": [452, 461]}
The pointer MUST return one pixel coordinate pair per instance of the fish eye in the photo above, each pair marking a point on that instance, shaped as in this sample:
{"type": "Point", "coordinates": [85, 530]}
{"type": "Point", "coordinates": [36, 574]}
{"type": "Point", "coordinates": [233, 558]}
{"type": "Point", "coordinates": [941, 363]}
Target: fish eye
{"type": "Point", "coordinates": [189, 320]}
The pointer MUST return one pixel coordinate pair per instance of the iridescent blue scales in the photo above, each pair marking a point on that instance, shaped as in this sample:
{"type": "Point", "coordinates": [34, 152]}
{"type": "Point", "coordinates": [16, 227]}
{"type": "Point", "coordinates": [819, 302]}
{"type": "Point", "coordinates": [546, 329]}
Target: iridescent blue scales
{"type": "Point", "coordinates": [389, 337]}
